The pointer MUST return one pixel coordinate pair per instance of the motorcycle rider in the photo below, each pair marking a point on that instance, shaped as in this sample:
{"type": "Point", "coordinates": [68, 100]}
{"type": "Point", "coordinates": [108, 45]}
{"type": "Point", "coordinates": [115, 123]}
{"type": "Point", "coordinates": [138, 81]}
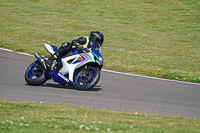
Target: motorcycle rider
{"type": "Point", "coordinates": [81, 44]}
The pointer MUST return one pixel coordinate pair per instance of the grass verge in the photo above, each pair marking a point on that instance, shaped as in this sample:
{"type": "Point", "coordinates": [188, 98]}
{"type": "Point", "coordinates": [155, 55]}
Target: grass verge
{"type": "Point", "coordinates": [150, 37]}
{"type": "Point", "coordinates": [39, 117]}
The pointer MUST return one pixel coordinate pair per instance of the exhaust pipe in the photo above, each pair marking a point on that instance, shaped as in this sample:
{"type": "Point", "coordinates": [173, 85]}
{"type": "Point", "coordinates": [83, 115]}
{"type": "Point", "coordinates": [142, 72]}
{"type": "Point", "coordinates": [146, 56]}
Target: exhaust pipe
{"type": "Point", "coordinates": [40, 59]}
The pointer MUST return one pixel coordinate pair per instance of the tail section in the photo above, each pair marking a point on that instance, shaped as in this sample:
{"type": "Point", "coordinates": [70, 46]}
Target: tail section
{"type": "Point", "coordinates": [50, 48]}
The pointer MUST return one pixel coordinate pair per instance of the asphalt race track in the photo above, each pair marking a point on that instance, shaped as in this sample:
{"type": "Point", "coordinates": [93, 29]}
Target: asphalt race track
{"type": "Point", "coordinates": [115, 91]}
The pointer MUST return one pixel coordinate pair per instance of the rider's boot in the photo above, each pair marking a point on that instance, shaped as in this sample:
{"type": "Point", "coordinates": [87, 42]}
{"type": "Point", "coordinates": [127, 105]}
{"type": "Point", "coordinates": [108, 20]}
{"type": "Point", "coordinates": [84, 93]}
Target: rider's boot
{"type": "Point", "coordinates": [63, 50]}
{"type": "Point", "coordinates": [50, 63]}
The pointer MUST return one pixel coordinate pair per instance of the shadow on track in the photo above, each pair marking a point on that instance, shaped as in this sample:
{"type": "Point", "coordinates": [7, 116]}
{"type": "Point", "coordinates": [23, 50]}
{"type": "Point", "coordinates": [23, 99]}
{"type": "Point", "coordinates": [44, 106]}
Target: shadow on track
{"type": "Point", "coordinates": [63, 86]}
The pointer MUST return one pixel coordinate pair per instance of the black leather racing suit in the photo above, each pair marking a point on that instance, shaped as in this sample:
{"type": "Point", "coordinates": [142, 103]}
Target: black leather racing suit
{"type": "Point", "coordinates": [66, 47]}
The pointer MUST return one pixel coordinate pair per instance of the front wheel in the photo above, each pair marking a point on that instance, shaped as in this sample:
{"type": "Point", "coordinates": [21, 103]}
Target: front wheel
{"type": "Point", "coordinates": [34, 74]}
{"type": "Point", "coordinates": [86, 78]}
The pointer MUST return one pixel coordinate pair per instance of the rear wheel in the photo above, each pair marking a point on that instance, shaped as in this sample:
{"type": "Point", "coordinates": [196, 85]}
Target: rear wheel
{"type": "Point", "coordinates": [34, 74]}
{"type": "Point", "coordinates": [86, 79]}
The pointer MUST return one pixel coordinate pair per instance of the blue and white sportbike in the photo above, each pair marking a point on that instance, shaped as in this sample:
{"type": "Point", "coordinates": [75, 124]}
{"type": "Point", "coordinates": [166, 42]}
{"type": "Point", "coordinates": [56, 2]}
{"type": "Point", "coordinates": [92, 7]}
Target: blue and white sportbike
{"type": "Point", "coordinates": [77, 67]}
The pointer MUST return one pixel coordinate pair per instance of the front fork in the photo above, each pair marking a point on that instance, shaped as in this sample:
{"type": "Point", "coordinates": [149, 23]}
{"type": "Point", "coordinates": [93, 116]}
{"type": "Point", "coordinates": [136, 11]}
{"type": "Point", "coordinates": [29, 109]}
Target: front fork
{"type": "Point", "coordinates": [87, 70]}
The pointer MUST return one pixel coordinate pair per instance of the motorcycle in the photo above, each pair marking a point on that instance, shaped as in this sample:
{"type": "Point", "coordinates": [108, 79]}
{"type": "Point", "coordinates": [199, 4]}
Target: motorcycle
{"type": "Point", "coordinates": [77, 67]}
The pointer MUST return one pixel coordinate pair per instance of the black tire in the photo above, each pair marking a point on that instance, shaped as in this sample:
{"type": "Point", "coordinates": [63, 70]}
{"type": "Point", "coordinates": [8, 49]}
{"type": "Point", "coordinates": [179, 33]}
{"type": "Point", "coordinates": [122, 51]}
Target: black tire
{"type": "Point", "coordinates": [33, 76]}
{"type": "Point", "coordinates": [94, 73]}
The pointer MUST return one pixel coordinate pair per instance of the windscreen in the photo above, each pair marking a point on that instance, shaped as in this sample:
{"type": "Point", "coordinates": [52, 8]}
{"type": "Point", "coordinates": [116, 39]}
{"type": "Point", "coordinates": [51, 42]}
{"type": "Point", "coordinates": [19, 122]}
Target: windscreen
{"type": "Point", "coordinates": [97, 46]}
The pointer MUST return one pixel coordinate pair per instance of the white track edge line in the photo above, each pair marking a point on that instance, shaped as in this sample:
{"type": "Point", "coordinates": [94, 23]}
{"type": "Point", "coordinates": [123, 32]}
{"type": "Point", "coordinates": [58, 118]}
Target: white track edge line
{"type": "Point", "coordinates": [128, 74]}
{"type": "Point", "coordinates": [135, 75]}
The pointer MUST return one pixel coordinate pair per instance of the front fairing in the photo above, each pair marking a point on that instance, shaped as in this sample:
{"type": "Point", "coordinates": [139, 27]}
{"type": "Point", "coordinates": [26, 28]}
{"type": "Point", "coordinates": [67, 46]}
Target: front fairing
{"type": "Point", "coordinates": [96, 51]}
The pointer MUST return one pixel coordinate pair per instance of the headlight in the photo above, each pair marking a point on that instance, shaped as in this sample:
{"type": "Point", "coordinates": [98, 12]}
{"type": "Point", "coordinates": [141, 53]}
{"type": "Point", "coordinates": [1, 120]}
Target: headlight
{"type": "Point", "coordinates": [100, 60]}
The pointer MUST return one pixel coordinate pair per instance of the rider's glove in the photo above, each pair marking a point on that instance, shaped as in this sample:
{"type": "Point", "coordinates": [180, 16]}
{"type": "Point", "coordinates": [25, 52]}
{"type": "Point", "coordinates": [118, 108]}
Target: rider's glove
{"type": "Point", "coordinates": [80, 47]}
{"type": "Point", "coordinates": [86, 50]}
{"type": "Point", "coordinates": [77, 45]}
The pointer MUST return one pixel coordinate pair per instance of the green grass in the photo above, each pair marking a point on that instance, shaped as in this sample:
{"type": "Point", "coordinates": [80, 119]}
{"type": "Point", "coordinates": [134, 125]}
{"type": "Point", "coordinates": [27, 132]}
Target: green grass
{"type": "Point", "coordinates": [150, 37]}
{"type": "Point", "coordinates": [38, 117]}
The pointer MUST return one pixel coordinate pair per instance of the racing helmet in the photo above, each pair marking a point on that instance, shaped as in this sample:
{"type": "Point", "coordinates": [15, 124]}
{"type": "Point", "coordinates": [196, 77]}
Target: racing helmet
{"type": "Point", "coordinates": [96, 36]}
